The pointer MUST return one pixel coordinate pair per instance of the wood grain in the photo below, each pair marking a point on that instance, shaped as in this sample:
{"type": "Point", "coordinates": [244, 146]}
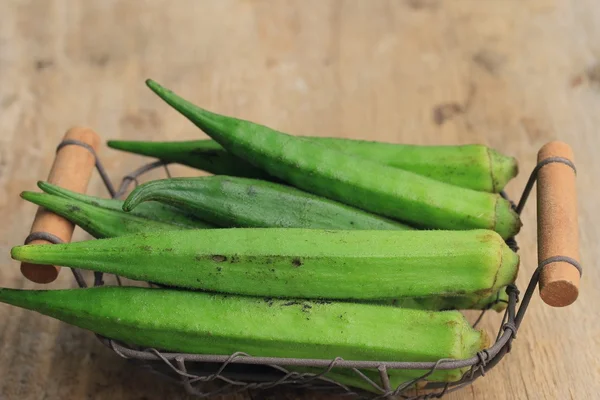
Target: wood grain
{"type": "Point", "coordinates": [510, 74]}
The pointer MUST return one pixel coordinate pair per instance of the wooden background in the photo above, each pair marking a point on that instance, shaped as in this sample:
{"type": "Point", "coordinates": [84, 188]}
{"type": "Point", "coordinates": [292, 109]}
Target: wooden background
{"type": "Point", "coordinates": [511, 74]}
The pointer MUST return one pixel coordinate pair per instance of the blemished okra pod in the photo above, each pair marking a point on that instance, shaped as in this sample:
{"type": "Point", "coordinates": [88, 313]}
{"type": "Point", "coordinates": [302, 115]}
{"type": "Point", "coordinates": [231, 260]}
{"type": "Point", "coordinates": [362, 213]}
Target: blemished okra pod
{"type": "Point", "coordinates": [196, 322]}
{"type": "Point", "coordinates": [496, 301]}
{"type": "Point", "coordinates": [472, 166]}
{"type": "Point", "coordinates": [241, 202]}
{"type": "Point", "coordinates": [355, 181]}
{"type": "Point", "coordinates": [303, 263]}
{"type": "Point", "coordinates": [97, 221]}
{"type": "Point", "coordinates": [151, 210]}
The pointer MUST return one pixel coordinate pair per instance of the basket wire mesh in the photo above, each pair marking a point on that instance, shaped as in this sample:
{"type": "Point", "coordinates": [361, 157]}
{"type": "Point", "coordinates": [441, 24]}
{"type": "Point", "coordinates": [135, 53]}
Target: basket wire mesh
{"type": "Point", "coordinates": [240, 371]}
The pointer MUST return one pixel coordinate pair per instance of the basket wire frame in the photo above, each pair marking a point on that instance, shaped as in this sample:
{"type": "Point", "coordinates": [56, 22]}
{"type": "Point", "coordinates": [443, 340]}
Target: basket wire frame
{"type": "Point", "coordinates": [240, 371]}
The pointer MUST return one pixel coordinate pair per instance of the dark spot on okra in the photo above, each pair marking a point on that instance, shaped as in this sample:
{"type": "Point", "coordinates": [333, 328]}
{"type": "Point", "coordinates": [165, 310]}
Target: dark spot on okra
{"type": "Point", "coordinates": [296, 262]}
{"type": "Point", "coordinates": [73, 208]}
{"type": "Point", "coordinates": [219, 258]}
{"type": "Point", "coordinates": [169, 250]}
{"type": "Point", "coordinates": [234, 259]}
{"type": "Point", "coordinates": [269, 301]}
{"type": "Point", "coordinates": [483, 292]}
{"type": "Point", "coordinates": [251, 191]}
{"type": "Point", "coordinates": [146, 248]}
{"type": "Point", "coordinates": [451, 323]}
{"type": "Point", "coordinates": [219, 269]}
{"type": "Point", "coordinates": [323, 301]}
{"type": "Point", "coordinates": [290, 303]}
{"type": "Point", "coordinates": [95, 203]}
{"type": "Point", "coordinates": [272, 269]}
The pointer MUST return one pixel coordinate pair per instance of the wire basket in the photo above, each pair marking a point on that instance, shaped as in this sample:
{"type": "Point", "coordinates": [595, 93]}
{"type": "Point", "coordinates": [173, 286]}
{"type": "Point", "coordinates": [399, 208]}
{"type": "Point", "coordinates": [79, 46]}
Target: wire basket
{"type": "Point", "coordinates": [240, 371]}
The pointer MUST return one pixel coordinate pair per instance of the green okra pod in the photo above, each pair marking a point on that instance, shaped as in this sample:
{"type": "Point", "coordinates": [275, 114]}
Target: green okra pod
{"type": "Point", "coordinates": [472, 166]}
{"type": "Point", "coordinates": [358, 182]}
{"type": "Point", "coordinates": [241, 202]}
{"type": "Point", "coordinates": [496, 301]}
{"type": "Point", "coordinates": [97, 221]}
{"type": "Point", "coordinates": [303, 263]}
{"type": "Point", "coordinates": [203, 323]}
{"type": "Point", "coordinates": [151, 210]}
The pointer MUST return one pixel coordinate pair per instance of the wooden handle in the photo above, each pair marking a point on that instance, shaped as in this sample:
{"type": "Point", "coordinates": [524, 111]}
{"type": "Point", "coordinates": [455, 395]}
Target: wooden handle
{"type": "Point", "coordinates": [558, 230]}
{"type": "Point", "coordinates": [72, 169]}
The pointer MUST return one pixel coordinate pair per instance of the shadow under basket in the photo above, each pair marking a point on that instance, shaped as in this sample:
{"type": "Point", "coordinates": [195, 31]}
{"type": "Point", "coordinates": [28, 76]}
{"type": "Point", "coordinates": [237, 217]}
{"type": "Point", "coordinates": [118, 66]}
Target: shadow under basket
{"type": "Point", "coordinates": [238, 372]}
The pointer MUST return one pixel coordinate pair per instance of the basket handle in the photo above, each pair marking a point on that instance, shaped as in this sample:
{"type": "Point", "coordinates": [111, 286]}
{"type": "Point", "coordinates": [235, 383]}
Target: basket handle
{"type": "Point", "coordinates": [72, 168]}
{"type": "Point", "coordinates": [558, 230]}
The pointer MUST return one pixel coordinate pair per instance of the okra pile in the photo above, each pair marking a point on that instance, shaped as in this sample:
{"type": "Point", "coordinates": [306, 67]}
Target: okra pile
{"type": "Point", "coordinates": [291, 246]}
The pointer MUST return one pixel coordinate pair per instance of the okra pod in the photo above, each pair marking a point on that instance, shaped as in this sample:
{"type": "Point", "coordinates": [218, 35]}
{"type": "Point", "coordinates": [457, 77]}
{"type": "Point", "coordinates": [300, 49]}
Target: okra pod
{"type": "Point", "coordinates": [201, 323]}
{"type": "Point", "coordinates": [97, 221]}
{"type": "Point", "coordinates": [358, 182]}
{"type": "Point", "coordinates": [472, 166]}
{"type": "Point", "coordinates": [302, 263]}
{"type": "Point", "coordinates": [240, 202]}
{"type": "Point", "coordinates": [151, 210]}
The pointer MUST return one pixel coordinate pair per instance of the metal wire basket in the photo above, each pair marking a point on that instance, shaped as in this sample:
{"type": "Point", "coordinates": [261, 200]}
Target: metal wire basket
{"type": "Point", "coordinates": [240, 371]}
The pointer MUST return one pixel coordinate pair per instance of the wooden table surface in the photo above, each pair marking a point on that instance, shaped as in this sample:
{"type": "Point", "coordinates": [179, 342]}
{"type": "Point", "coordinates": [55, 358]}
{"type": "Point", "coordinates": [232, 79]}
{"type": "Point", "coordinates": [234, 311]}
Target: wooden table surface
{"type": "Point", "coordinates": [509, 74]}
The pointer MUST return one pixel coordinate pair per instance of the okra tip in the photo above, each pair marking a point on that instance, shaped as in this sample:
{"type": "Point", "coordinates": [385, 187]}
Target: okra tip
{"type": "Point", "coordinates": [19, 253]}
{"type": "Point", "coordinates": [31, 253]}
{"type": "Point", "coordinates": [472, 340]}
{"type": "Point", "coordinates": [47, 187]}
{"type": "Point", "coordinates": [42, 184]}
{"type": "Point", "coordinates": [158, 88]}
{"type": "Point", "coordinates": [501, 301]}
{"type": "Point", "coordinates": [29, 196]}
{"type": "Point", "coordinates": [503, 168]}
{"type": "Point", "coordinates": [155, 86]}
{"type": "Point", "coordinates": [41, 199]}
{"type": "Point", "coordinates": [508, 268]}
{"type": "Point", "coordinates": [118, 144]}
{"type": "Point", "coordinates": [135, 146]}
{"type": "Point", "coordinates": [129, 205]}
{"type": "Point", "coordinates": [139, 195]}
{"type": "Point", "coordinates": [507, 222]}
